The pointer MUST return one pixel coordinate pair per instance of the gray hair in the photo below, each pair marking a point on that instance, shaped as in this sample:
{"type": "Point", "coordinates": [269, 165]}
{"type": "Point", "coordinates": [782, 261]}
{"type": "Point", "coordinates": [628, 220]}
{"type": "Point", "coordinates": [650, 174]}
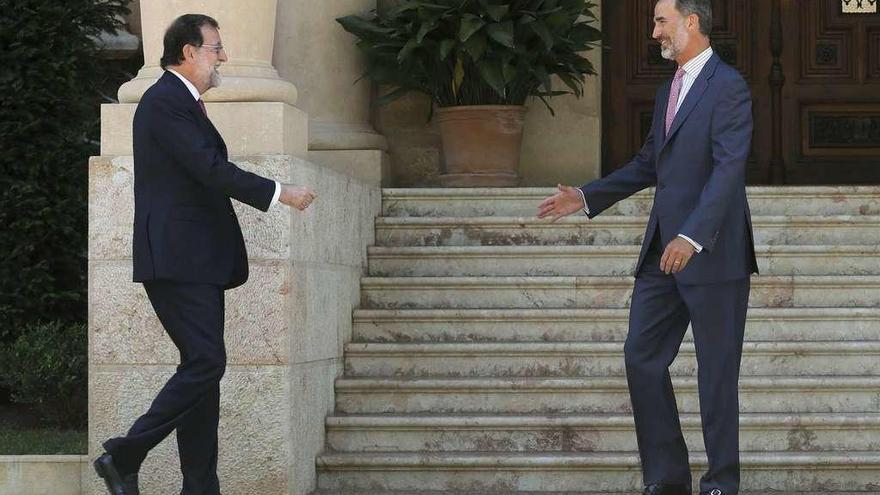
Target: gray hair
{"type": "Point", "coordinates": [703, 10]}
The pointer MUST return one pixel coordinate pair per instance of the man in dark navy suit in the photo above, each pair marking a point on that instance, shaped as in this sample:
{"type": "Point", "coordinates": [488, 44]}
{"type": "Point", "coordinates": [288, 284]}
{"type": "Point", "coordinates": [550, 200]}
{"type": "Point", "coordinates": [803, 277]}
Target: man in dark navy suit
{"type": "Point", "coordinates": [697, 255]}
{"type": "Point", "coordinates": [187, 249]}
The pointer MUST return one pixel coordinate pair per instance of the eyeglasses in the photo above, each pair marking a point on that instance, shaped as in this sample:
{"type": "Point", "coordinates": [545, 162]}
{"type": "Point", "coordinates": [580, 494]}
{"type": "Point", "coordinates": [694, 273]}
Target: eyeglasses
{"type": "Point", "coordinates": [215, 48]}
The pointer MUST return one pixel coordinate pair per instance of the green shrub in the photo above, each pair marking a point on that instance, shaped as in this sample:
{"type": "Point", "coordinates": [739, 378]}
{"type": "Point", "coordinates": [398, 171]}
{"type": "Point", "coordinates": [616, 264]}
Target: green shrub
{"type": "Point", "coordinates": [49, 94]}
{"type": "Point", "coordinates": [46, 368]}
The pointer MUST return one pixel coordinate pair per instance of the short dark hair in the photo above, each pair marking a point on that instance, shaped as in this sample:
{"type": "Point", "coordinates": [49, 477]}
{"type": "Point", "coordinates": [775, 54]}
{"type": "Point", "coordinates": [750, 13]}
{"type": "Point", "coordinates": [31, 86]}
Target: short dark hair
{"type": "Point", "coordinates": [703, 9]}
{"type": "Point", "coordinates": [185, 30]}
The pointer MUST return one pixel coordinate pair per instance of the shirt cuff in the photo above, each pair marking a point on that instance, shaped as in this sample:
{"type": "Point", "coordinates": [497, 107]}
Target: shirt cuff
{"type": "Point", "coordinates": [586, 208]}
{"type": "Point", "coordinates": [692, 242]}
{"type": "Point", "coordinates": [277, 193]}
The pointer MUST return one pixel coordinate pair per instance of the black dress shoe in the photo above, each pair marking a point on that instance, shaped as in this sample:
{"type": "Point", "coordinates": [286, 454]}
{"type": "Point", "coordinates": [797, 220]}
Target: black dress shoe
{"type": "Point", "coordinates": [117, 484]}
{"type": "Point", "coordinates": [664, 489]}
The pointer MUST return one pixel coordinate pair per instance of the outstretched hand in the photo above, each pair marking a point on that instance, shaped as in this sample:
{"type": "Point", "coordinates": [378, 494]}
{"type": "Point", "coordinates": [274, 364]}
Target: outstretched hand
{"type": "Point", "coordinates": [566, 201]}
{"type": "Point", "coordinates": [298, 197]}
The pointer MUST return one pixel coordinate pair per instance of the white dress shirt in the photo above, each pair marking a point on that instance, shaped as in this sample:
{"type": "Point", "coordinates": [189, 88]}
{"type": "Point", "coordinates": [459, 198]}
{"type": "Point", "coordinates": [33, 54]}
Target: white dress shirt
{"type": "Point", "coordinates": [195, 94]}
{"type": "Point", "coordinates": [692, 69]}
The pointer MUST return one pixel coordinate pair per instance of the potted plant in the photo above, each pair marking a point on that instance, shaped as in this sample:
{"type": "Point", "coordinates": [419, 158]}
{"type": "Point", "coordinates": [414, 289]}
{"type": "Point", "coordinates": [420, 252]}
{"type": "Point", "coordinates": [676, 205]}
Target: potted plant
{"type": "Point", "coordinates": [478, 61]}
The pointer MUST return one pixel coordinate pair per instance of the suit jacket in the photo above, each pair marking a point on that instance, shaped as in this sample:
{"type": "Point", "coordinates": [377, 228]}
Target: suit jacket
{"type": "Point", "coordinates": [185, 229]}
{"type": "Point", "coordinates": [699, 173]}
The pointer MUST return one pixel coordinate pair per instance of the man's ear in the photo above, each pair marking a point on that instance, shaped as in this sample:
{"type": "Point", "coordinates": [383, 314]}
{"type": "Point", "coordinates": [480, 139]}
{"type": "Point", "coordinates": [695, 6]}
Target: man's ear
{"type": "Point", "coordinates": [693, 22]}
{"type": "Point", "coordinates": [189, 52]}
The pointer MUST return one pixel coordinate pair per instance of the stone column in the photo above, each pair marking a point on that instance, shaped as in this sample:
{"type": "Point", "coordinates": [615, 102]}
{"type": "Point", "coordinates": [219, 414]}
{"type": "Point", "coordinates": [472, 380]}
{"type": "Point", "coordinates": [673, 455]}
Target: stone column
{"type": "Point", "coordinates": [248, 33]}
{"type": "Point", "coordinates": [315, 53]}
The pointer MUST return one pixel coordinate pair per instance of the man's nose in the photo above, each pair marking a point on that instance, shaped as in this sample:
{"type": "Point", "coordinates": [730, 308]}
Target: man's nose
{"type": "Point", "coordinates": [656, 33]}
{"type": "Point", "coordinates": [222, 56]}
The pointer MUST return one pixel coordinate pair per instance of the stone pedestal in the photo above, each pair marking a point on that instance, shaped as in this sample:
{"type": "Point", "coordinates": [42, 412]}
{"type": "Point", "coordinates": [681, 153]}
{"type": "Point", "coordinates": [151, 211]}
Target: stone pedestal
{"type": "Point", "coordinates": [286, 327]}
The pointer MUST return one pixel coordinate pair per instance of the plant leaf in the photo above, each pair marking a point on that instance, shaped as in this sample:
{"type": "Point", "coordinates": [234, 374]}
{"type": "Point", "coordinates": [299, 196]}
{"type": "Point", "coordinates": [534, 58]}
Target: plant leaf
{"type": "Point", "coordinates": [470, 24]}
{"type": "Point", "coordinates": [457, 76]}
{"type": "Point", "coordinates": [490, 70]}
{"type": "Point", "coordinates": [546, 104]}
{"type": "Point", "coordinates": [425, 29]}
{"type": "Point", "coordinates": [571, 82]}
{"type": "Point", "coordinates": [407, 50]}
{"type": "Point", "coordinates": [364, 29]}
{"type": "Point", "coordinates": [476, 46]}
{"type": "Point", "coordinates": [446, 46]}
{"type": "Point", "coordinates": [502, 32]}
{"type": "Point", "coordinates": [497, 12]}
{"type": "Point", "coordinates": [546, 36]}
{"type": "Point", "coordinates": [509, 72]}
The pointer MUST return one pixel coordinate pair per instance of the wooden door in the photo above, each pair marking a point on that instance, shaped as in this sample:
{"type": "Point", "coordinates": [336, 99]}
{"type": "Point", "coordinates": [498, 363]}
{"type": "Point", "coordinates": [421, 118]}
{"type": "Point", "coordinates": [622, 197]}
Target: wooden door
{"type": "Point", "coordinates": [814, 73]}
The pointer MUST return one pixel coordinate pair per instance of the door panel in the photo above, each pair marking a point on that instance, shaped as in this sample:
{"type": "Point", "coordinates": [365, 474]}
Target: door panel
{"type": "Point", "coordinates": [829, 102]}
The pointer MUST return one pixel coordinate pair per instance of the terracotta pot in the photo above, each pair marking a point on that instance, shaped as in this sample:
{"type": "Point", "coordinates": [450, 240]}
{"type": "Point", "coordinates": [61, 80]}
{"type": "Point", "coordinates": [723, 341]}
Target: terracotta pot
{"type": "Point", "coordinates": [481, 144]}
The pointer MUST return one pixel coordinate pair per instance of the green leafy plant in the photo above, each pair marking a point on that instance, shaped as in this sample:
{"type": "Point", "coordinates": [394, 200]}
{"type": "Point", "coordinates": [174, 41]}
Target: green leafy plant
{"type": "Point", "coordinates": [477, 52]}
{"type": "Point", "coordinates": [49, 96]}
{"type": "Point", "coordinates": [46, 368]}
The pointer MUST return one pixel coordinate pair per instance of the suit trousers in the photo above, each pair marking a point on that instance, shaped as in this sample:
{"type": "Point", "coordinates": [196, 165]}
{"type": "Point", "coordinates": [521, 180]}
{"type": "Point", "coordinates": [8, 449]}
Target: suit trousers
{"type": "Point", "coordinates": [659, 315]}
{"type": "Point", "coordinates": [193, 317]}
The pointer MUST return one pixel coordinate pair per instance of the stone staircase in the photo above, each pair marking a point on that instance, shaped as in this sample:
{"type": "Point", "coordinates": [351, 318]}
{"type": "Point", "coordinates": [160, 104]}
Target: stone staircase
{"type": "Point", "coordinates": [488, 353]}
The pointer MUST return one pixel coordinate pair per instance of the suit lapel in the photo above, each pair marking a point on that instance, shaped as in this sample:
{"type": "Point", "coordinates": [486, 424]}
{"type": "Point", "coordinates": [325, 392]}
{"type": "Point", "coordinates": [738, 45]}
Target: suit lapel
{"type": "Point", "coordinates": [193, 106]}
{"type": "Point", "coordinates": [692, 98]}
{"type": "Point", "coordinates": [660, 113]}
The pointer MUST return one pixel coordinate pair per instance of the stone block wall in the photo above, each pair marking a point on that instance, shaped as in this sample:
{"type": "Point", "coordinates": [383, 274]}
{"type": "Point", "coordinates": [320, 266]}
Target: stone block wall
{"type": "Point", "coordinates": [285, 328]}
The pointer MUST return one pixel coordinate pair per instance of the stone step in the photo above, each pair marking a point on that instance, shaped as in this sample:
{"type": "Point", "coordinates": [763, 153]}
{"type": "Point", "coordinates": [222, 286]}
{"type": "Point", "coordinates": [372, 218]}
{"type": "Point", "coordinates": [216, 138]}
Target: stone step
{"type": "Point", "coordinates": [772, 394]}
{"type": "Point", "coordinates": [595, 261]}
{"type": "Point", "coordinates": [596, 325]}
{"type": "Point", "coordinates": [596, 359]}
{"type": "Point", "coordinates": [493, 473]}
{"type": "Point", "coordinates": [589, 433]}
{"type": "Point", "coordinates": [580, 492]}
{"type": "Point", "coordinates": [523, 202]}
{"type": "Point", "coordinates": [598, 292]}
{"type": "Point", "coordinates": [607, 230]}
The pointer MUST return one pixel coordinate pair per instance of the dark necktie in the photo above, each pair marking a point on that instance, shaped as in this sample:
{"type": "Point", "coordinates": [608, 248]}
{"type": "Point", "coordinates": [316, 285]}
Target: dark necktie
{"type": "Point", "coordinates": [202, 105]}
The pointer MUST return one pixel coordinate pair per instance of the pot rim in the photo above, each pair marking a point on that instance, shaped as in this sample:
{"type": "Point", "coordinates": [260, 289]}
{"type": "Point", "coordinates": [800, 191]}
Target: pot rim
{"type": "Point", "coordinates": [480, 107]}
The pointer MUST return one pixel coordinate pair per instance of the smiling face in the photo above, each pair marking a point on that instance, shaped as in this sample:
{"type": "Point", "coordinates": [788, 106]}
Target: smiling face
{"type": "Point", "coordinates": [201, 64]}
{"type": "Point", "coordinates": [671, 30]}
{"type": "Point", "coordinates": [679, 35]}
{"type": "Point", "coordinates": [207, 59]}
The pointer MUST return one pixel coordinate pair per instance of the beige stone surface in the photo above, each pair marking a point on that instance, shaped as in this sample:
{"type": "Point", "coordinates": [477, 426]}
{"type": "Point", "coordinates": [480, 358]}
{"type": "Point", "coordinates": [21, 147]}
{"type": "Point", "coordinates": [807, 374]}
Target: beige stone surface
{"type": "Point", "coordinates": [322, 300]}
{"type": "Point", "coordinates": [311, 390]}
{"type": "Point", "coordinates": [41, 474]}
{"type": "Point", "coordinates": [254, 426]}
{"type": "Point", "coordinates": [321, 59]}
{"type": "Point", "coordinates": [111, 209]}
{"type": "Point", "coordinates": [124, 329]}
{"type": "Point", "coordinates": [285, 328]}
{"type": "Point", "coordinates": [248, 33]}
{"type": "Point", "coordinates": [339, 224]}
{"type": "Point", "coordinates": [247, 128]}
{"type": "Point", "coordinates": [365, 165]}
